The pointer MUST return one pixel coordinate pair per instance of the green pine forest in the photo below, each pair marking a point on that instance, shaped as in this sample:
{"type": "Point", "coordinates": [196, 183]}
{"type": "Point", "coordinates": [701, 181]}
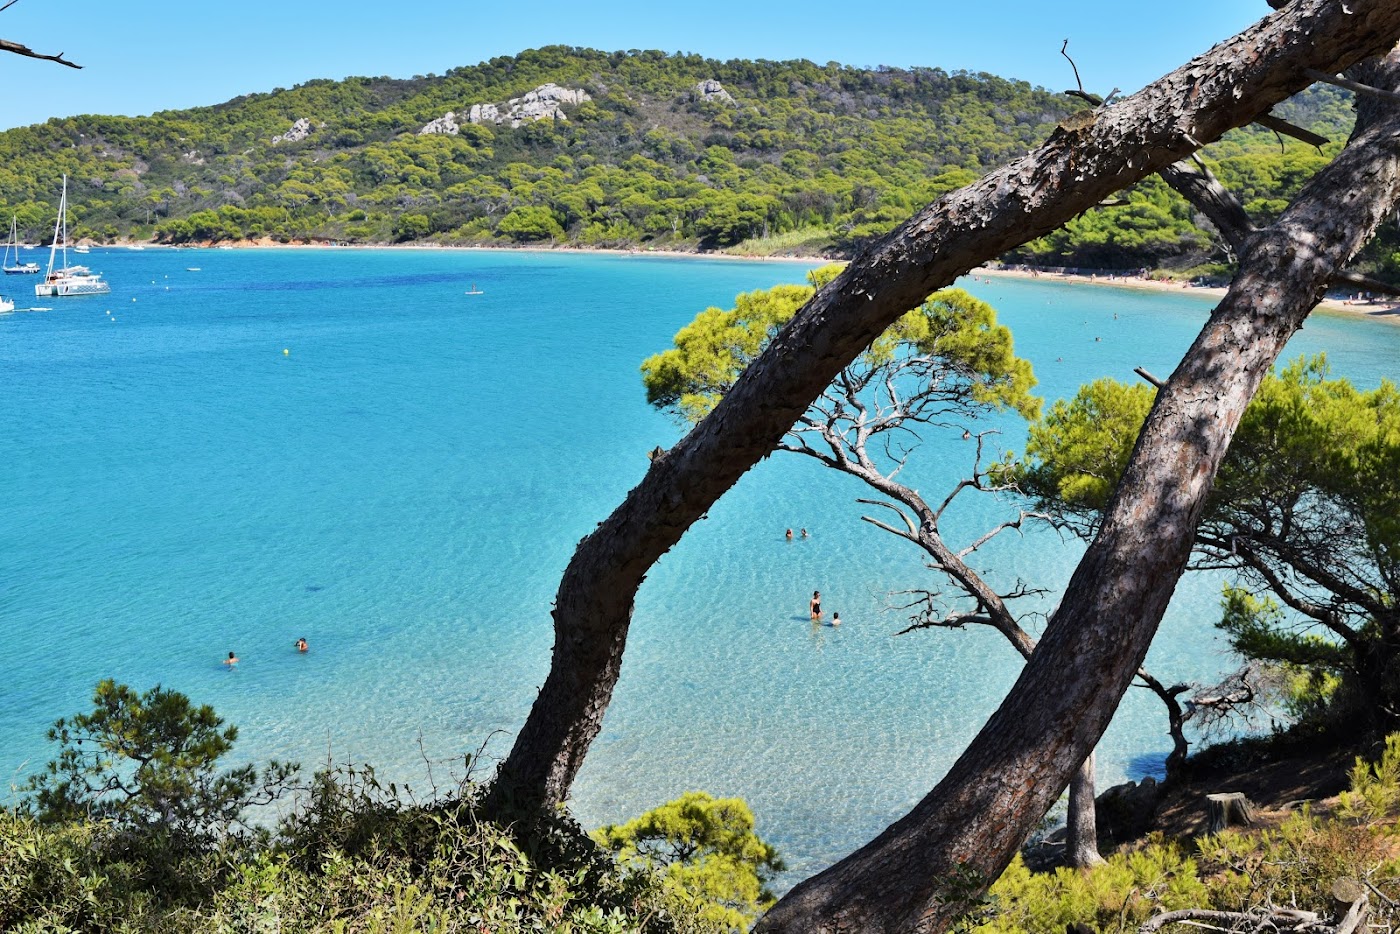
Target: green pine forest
{"type": "Point", "coordinates": [803, 159]}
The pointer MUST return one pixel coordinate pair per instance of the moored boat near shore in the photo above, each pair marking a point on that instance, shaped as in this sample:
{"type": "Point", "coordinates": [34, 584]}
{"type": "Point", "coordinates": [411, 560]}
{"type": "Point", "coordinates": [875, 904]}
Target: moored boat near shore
{"type": "Point", "coordinates": [67, 281]}
{"type": "Point", "coordinates": [15, 267]}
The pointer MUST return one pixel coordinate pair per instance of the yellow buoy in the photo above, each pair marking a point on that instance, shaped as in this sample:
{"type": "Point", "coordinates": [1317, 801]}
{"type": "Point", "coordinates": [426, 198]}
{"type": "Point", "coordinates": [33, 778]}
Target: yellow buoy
{"type": "Point", "coordinates": [286, 352]}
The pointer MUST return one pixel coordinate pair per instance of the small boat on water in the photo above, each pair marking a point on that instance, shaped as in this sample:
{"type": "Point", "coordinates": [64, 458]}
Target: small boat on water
{"type": "Point", "coordinates": [6, 305]}
{"type": "Point", "coordinates": [15, 267]}
{"type": "Point", "coordinates": [474, 290]}
{"type": "Point", "coordinates": [67, 281]}
{"type": "Point", "coordinates": [82, 248]}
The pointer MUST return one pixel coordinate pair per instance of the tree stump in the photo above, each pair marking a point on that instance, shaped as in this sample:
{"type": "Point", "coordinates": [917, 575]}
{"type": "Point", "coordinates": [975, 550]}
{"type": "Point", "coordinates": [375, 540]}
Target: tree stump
{"type": "Point", "coordinates": [1350, 902]}
{"type": "Point", "coordinates": [1345, 893]}
{"type": "Point", "coordinates": [1231, 809]}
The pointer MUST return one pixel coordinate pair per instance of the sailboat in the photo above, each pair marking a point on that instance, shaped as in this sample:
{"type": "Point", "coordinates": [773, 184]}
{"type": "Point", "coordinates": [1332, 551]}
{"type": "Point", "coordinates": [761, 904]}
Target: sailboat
{"type": "Point", "coordinates": [67, 280]}
{"type": "Point", "coordinates": [16, 268]}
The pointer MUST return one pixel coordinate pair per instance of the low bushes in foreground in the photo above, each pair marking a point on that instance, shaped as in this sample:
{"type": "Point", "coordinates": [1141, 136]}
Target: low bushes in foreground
{"type": "Point", "coordinates": [134, 828]}
{"type": "Point", "coordinates": [1292, 866]}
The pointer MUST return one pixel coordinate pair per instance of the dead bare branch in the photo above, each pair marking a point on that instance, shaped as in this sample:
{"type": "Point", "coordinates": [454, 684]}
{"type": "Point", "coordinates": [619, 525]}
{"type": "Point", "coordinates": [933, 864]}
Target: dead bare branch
{"type": "Point", "coordinates": [1366, 282]}
{"type": "Point", "coordinates": [991, 533]}
{"type": "Point", "coordinates": [1354, 86]}
{"type": "Point", "coordinates": [908, 523]}
{"type": "Point", "coordinates": [1355, 915]}
{"type": "Point", "coordinates": [8, 46]}
{"type": "Point", "coordinates": [1159, 383]}
{"type": "Point", "coordinates": [1081, 92]}
{"type": "Point", "coordinates": [1278, 919]}
{"type": "Point", "coordinates": [1278, 125]}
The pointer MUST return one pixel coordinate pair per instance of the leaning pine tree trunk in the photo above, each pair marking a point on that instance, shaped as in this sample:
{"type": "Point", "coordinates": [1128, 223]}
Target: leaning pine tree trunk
{"type": "Point", "coordinates": [1071, 172]}
{"type": "Point", "coordinates": [920, 874]}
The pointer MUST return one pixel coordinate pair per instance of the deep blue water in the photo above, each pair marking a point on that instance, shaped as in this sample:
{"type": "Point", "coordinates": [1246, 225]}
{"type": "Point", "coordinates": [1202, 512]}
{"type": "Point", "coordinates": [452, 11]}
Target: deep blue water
{"type": "Point", "coordinates": [404, 486]}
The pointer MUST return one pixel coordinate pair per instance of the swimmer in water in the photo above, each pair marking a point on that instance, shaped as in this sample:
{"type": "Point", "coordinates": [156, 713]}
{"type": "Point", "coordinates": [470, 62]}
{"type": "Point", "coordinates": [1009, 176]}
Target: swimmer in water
{"type": "Point", "coordinates": [301, 644]}
{"type": "Point", "coordinates": [231, 660]}
{"type": "Point", "coordinates": [789, 534]}
{"type": "Point", "coordinates": [816, 606]}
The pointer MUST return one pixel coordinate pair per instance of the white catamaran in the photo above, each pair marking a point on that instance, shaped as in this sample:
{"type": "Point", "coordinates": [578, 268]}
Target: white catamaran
{"type": "Point", "coordinates": [67, 280]}
{"type": "Point", "coordinates": [15, 267]}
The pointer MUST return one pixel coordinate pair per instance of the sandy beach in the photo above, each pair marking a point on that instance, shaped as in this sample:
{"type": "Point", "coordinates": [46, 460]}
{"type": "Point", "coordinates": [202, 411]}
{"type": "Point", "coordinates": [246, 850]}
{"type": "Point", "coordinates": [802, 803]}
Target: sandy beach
{"type": "Point", "coordinates": [1383, 310]}
{"type": "Point", "coordinates": [268, 243]}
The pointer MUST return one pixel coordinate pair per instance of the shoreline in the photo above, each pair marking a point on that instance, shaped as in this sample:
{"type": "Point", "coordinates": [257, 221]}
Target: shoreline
{"type": "Point", "coordinates": [1380, 310]}
{"type": "Point", "coordinates": [267, 244]}
{"type": "Point", "coordinates": [1386, 311]}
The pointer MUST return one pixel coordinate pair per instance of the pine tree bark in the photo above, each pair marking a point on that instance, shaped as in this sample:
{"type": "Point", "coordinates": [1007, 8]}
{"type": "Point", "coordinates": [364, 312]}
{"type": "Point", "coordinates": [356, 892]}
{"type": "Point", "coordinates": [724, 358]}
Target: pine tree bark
{"type": "Point", "coordinates": [1081, 823]}
{"type": "Point", "coordinates": [919, 874]}
{"type": "Point", "coordinates": [1075, 169]}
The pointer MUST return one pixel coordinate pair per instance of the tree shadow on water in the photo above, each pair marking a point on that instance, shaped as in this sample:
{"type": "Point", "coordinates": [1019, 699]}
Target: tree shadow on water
{"type": "Point", "coordinates": [1146, 764]}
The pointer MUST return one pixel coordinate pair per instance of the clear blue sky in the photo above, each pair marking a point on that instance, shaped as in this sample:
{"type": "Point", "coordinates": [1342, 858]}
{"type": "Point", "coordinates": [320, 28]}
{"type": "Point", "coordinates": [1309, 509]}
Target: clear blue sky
{"type": "Point", "coordinates": [140, 56]}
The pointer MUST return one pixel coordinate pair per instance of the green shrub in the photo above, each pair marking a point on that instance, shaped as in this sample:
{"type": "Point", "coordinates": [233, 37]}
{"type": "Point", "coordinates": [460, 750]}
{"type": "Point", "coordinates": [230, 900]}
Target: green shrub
{"type": "Point", "coordinates": [1294, 865]}
{"type": "Point", "coordinates": [1117, 896]}
{"type": "Point", "coordinates": [175, 855]}
{"type": "Point", "coordinates": [708, 852]}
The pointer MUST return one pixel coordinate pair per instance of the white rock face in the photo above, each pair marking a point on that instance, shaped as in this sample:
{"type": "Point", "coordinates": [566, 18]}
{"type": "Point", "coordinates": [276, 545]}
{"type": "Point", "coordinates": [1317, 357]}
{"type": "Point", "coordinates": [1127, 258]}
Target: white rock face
{"type": "Point", "coordinates": [446, 124]}
{"type": "Point", "coordinates": [553, 92]}
{"type": "Point", "coordinates": [541, 103]}
{"type": "Point", "coordinates": [712, 90]}
{"type": "Point", "coordinates": [484, 113]}
{"type": "Point", "coordinates": [299, 131]}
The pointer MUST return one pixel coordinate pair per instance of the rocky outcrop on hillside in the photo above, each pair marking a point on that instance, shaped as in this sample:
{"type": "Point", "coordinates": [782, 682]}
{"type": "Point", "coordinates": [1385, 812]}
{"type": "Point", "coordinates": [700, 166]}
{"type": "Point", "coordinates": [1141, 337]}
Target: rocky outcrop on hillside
{"type": "Point", "coordinates": [446, 125]}
{"type": "Point", "coordinates": [300, 130]}
{"type": "Point", "coordinates": [543, 102]}
{"type": "Point", "coordinates": [484, 113]}
{"type": "Point", "coordinates": [712, 90]}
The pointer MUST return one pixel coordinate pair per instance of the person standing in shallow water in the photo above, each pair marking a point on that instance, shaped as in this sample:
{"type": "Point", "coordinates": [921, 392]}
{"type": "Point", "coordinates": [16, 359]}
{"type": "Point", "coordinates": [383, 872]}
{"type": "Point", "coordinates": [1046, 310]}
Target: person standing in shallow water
{"type": "Point", "coordinates": [789, 535]}
{"type": "Point", "coordinates": [816, 606]}
{"type": "Point", "coordinates": [231, 660]}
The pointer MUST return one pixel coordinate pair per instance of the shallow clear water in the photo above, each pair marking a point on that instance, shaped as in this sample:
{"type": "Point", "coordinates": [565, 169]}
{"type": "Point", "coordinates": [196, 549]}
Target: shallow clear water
{"type": "Point", "coordinates": [405, 485]}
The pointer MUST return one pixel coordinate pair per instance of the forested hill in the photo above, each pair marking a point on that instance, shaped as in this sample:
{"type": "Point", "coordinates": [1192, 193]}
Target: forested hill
{"type": "Point", "coordinates": [615, 149]}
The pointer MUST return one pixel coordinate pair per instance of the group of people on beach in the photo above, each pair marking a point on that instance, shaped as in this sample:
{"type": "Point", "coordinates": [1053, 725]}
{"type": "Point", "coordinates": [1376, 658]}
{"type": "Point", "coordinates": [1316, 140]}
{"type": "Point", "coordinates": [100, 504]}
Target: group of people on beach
{"type": "Point", "coordinates": [301, 646]}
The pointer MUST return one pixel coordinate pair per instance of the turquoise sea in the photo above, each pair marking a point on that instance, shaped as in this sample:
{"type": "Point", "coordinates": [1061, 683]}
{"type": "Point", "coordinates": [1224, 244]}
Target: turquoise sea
{"type": "Point", "coordinates": [405, 484]}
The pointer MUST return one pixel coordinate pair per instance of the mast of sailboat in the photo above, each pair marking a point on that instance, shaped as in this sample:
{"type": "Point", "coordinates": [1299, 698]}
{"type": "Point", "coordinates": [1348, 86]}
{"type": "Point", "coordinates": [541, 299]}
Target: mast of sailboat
{"type": "Point", "coordinates": [60, 225]}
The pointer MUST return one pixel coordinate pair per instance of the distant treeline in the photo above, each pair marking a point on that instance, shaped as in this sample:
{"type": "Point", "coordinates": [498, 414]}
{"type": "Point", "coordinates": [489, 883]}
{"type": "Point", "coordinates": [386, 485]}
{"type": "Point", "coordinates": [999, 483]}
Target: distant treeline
{"type": "Point", "coordinates": [795, 157]}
